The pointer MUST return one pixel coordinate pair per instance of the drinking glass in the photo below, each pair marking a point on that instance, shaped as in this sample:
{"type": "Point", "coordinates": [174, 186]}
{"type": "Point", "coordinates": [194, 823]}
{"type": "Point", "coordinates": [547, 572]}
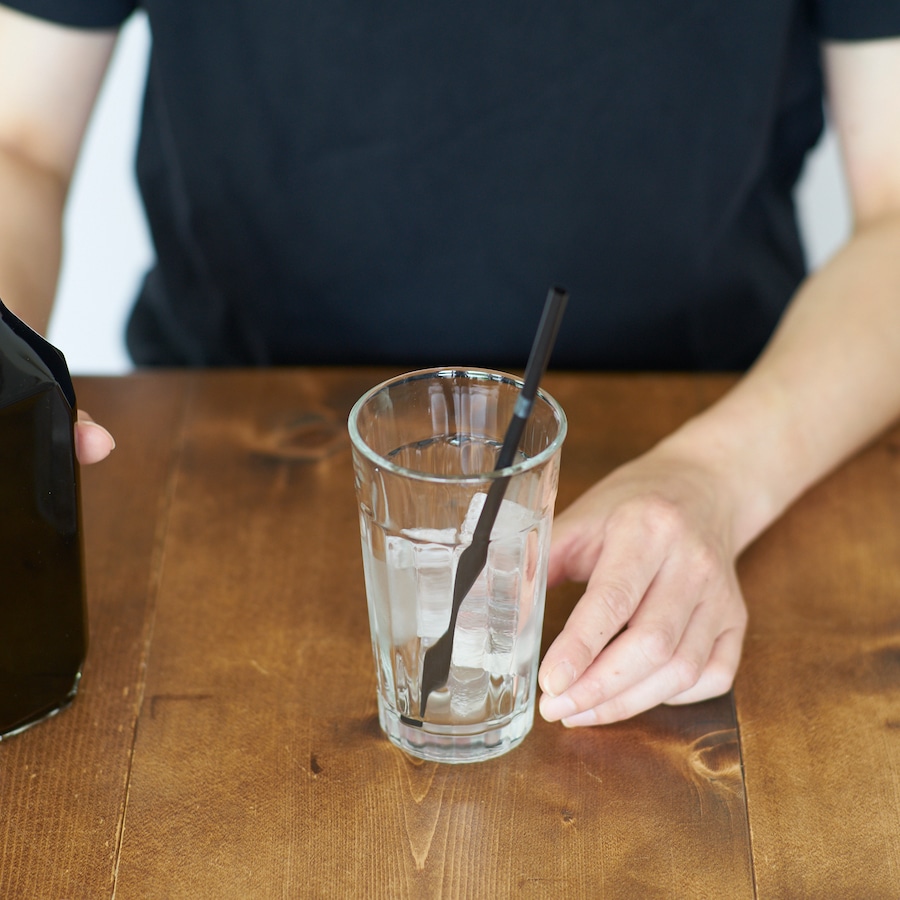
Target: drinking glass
{"type": "Point", "coordinates": [424, 449]}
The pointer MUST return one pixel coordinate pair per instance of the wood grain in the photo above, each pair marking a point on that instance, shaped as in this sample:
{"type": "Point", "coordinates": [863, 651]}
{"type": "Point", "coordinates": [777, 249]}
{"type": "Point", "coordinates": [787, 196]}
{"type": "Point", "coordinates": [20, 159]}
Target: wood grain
{"type": "Point", "coordinates": [259, 748]}
{"type": "Point", "coordinates": [819, 690]}
{"type": "Point", "coordinates": [64, 782]}
{"type": "Point", "coordinates": [226, 744]}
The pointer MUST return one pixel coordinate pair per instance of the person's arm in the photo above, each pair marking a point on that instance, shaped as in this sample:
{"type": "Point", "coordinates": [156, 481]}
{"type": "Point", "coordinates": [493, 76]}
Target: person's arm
{"type": "Point", "coordinates": [657, 540]}
{"type": "Point", "coordinates": [49, 78]}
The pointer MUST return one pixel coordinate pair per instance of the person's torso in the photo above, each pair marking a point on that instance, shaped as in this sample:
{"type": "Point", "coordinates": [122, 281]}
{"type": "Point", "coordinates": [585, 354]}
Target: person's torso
{"type": "Point", "coordinates": [368, 182]}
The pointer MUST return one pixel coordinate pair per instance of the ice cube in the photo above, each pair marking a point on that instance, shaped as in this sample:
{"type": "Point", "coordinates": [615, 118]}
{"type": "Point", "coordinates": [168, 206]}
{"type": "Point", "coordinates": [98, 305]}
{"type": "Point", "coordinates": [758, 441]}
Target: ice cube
{"type": "Point", "coordinates": [476, 504]}
{"type": "Point", "coordinates": [508, 585]}
{"type": "Point", "coordinates": [470, 640]}
{"type": "Point", "coordinates": [512, 518]}
{"type": "Point", "coordinates": [434, 566]}
{"type": "Point", "coordinates": [401, 589]}
{"type": "Point", "coordinates": [431, 535]}
{"type": "Point", "coordinates": [468, 693]}
{"type": "Point", "coordinates": [486, 633]}
{"type": "Point", "coordinates": [503, 619]}
{"type": "Point", "coordinates": [398, 552]}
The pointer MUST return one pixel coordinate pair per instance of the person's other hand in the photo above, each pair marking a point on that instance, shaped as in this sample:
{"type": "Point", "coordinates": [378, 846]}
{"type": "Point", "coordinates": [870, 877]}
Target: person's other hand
{"type": "Point", "coordinates": [662, 619]}
{"type": "Point", "coordinates": [92, 441]}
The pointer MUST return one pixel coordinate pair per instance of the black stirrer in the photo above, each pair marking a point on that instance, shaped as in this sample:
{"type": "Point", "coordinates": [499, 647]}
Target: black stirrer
{"type": "Point", "coordinates": [436, 664]}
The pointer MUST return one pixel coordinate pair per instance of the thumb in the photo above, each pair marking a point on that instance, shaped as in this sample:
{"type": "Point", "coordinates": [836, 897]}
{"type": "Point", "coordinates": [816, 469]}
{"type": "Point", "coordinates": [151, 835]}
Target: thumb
{"type": "Point", "coordinates": [92, 441]}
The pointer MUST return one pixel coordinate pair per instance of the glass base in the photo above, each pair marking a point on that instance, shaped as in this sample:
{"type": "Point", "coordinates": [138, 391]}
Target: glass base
{"type": "Point", "coordinates": [455, 743]}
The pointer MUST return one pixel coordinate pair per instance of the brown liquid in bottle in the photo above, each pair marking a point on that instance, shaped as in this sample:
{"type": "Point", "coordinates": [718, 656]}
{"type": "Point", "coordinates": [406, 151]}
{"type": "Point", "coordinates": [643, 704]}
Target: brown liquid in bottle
{"type": "Point", "coordinates": [43, 625]}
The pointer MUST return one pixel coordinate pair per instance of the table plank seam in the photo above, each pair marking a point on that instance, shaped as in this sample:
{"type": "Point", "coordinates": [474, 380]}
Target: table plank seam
{"type": "Point", "coordinates": [154, 582]}
{"type": "Point", "coordinates": [740, 744]}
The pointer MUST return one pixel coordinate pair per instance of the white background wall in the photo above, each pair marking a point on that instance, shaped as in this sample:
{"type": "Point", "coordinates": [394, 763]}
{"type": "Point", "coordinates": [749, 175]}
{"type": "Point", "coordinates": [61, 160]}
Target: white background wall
{"type": "Point", "coordinates": [108, 248]}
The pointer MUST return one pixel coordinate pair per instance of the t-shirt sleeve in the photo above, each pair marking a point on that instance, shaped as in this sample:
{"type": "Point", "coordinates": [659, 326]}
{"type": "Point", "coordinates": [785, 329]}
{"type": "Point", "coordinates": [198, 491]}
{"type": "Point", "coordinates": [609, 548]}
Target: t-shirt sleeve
{"type": "Point", "coordinates": [858, 20]}
{"type": "Point", "coordinates": [77, 13]}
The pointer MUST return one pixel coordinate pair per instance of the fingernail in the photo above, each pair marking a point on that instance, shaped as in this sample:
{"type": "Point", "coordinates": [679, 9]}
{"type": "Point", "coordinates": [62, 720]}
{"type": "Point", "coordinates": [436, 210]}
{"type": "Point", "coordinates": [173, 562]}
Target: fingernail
{"type": "Point", "coordinates": [580, 720]}
{"type": "Point", "coordinates": [555, 708]}
{"type": "Point", "coordinates": [100, 428]}
{"type": "Point", "coordinates": [558, 679]}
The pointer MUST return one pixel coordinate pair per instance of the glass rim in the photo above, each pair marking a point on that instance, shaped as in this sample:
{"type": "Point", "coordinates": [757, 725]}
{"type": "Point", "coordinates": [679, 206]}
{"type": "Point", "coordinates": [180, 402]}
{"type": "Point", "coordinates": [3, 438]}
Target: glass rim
{"type": "Point", "coordinates": [474, 374]}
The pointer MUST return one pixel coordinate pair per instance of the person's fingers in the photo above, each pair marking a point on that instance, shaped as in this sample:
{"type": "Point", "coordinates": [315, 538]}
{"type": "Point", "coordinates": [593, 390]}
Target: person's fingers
{"type": "Point", "coordinates": [93, 442]}
{"type": "Point", "coordinates": [718, 674]}
{"type": "Point", "coordinates": [691, 675]}
{"type": "Point", "coordinates": [624, 571]}
{"type": "Point", "coordinates": [654, 633]}
{"type": "Point", "coordinates": [662, 617]}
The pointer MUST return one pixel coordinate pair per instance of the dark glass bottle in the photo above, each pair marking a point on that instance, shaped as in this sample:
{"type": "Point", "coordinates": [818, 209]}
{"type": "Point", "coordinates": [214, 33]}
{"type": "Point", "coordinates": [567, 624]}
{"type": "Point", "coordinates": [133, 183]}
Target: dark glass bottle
{"type": "Point", "coordinates": [43, 621]}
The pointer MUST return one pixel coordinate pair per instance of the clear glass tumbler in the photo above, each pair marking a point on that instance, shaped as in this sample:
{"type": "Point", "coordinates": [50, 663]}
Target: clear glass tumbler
{"type": "Point", "coordinates": [424, 450]}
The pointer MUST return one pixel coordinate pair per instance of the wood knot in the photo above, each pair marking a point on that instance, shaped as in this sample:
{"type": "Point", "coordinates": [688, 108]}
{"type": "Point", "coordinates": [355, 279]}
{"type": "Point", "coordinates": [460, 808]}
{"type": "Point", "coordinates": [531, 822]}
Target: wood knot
{"type": "Point", "coordinates": [715, 758]}
{"type": "Point", "coordinates": [880, 669]}
{"type": "Point", "coordinates": [301, 437]}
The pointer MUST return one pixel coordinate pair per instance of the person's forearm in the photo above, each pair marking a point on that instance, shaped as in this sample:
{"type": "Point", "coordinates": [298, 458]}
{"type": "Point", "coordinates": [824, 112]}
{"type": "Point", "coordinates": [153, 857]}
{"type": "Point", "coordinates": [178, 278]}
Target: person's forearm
{"type": "Point", "coordinates": [30, 238]}
{"type": "Point", "coordinates": [828, 382]}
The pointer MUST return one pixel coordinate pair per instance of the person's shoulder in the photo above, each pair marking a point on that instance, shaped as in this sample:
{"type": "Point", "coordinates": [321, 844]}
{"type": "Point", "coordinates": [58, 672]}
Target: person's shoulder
{"type": "Point", "coordinates": [81, 14]}
{"type": "Point", "coordinates": [857, 20]}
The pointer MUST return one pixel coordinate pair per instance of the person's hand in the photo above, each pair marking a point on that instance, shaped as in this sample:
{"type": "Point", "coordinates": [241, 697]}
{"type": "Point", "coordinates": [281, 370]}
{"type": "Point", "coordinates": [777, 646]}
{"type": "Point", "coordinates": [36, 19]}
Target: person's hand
{"type": "Point", "coordinates": [92, 441]}
{"type": "Point", "coordinates": [662, 619]}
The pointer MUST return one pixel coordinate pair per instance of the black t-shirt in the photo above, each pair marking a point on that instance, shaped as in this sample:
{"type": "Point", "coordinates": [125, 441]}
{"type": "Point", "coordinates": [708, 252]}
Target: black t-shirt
{"type": "Point", "coordinates": [361, 181]}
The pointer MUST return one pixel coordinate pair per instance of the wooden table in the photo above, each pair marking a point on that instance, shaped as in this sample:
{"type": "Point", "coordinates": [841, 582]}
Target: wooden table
{"type": "Point", "coordinates": [225, 742]}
